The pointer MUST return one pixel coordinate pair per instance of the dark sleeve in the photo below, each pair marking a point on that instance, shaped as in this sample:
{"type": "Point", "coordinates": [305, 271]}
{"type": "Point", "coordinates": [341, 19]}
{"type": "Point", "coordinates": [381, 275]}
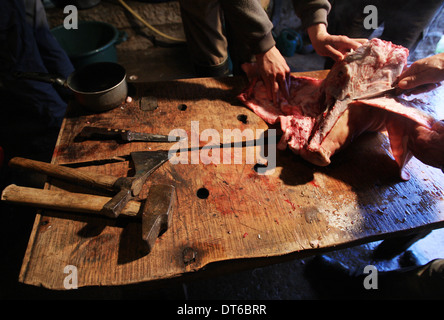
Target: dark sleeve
{"type": "Point", "coordinates": [312, 11]}
{"type": "Point", "coordinates": [251, 22]}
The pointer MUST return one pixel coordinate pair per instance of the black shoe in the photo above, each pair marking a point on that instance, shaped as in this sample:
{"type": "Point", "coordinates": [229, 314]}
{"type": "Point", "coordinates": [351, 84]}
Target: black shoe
{"type": "Point", "coordinates": [324, 266]}
{"type": "Point", "coordinates": [408, 259]}
{"type": "Point", "coordinates": [330, 278]}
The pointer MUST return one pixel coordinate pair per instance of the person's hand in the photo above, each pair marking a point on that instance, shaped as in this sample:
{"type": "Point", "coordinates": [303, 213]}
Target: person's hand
{"type": "Point", "coordinates": [275, 72]}
{"type": "Point", "coordinates": [329, 45]}
{"type": "Point", "coordinates": [429, 70]}
{"type": "Point", "coordinates": [428, 144]}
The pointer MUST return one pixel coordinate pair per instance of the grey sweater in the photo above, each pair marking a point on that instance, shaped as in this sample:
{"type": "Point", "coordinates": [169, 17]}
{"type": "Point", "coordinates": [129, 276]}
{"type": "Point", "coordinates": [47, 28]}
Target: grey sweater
{"type": "Point", "coordinates": [254, 26]}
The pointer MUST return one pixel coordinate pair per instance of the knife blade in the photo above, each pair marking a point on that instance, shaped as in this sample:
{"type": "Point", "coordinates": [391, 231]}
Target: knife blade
{"type": "Point", "coordinates": [396, 91]}
{"type": "Point", "coordinates": [392, 91]}
{"type": "Point", "coordinates": [98, 133]}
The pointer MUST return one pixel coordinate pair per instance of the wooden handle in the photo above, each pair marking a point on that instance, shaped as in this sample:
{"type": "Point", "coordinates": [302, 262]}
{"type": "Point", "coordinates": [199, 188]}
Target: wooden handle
{"type": "Point", "coordinates": [102, 133]}
{"type": "Point", "coordinates": [65, 173]}
{"type": "Point", "coordinates": [62, 200]}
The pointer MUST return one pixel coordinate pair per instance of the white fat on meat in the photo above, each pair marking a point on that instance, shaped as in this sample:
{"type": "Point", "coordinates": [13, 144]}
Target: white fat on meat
{"type": "Point", "coordinates": [321, 117]}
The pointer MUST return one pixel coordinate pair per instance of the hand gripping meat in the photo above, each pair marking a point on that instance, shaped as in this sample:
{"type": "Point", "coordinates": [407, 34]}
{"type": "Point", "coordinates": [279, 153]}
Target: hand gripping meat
{"type": "Point", "coordinates": [322, 116]}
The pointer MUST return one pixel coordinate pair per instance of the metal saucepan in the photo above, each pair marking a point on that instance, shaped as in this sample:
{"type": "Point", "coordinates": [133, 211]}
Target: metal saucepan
{"type": "Point", "coordinates": [98, 86]}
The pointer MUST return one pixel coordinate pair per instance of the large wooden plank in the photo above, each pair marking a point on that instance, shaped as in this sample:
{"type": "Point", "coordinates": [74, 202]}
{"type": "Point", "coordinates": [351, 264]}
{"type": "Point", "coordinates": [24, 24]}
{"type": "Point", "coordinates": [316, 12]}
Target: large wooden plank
{"type": "Point", "coordinates": [295, 209]}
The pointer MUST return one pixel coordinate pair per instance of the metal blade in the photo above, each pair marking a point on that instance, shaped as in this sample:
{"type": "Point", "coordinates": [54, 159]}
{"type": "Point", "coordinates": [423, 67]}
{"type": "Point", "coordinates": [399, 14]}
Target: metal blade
{"type": "Point", "coordinates": [391, 91]}
{"type": "Point", "coordinates": [98, 133]}
{"type": "Point", "coordinates": [151, 137]}
{"type": "Point", "coordinates": [159, 207]}
{"type": "Point", "coordinates": [97, 162]}
{"type": "Point", "coordinates": [145, 163]}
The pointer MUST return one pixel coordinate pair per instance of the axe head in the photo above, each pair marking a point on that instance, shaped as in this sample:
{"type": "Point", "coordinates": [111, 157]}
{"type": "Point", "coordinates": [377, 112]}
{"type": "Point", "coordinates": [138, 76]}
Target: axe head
{"type": "Point", "coordinates": [145, 163]}
{"type": "Point", "coordinates": [157, 212]}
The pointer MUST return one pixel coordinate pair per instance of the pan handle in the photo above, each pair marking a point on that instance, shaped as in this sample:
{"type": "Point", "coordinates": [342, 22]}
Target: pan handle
{"type": "Point", "coordinates": [123, 36]}
{"type": "Point", "coordinates": [43, 77]}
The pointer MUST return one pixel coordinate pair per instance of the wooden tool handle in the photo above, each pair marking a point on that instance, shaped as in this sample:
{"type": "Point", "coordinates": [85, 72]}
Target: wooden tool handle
{"type": "Point", "coordinates": [65, 173]}
{"type": "Point", "coordinates": [62, 200]}
{"type": "Point", "coordinates": [88, 133]}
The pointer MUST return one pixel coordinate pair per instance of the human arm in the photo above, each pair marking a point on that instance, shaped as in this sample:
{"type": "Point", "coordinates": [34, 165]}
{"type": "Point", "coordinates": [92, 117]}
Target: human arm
{"type": "Point", "coordinates": [313, 15]}
{"type": "Point", "coordinates": [428, 144]}
{"type": "Point", "coordinates": [254, 27]}
{"type": "Point", "coordinates": [424, 71]}
{"type": "Point", "coordinates": [332, 46]}
{"type": "Point", "coordinates": [275, 73]}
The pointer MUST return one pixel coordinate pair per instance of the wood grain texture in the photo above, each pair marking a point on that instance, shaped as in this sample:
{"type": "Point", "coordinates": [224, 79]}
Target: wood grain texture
{"type": "Point", "coordinates": [298, 209]}
{"type": "Point", "coordinates": [64, 201]}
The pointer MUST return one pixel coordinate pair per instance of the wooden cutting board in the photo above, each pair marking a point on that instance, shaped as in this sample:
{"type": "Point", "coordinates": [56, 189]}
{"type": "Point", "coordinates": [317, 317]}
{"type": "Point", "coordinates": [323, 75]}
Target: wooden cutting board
{"type": "Point", "coordinates": [228, 213]}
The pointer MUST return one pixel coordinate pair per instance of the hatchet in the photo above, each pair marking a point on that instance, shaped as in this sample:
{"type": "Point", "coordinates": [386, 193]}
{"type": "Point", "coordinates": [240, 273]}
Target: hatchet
{"type": "Point", "coordinates": [145, 163]}
{"type": "Point", "coordinates": [155, 211]}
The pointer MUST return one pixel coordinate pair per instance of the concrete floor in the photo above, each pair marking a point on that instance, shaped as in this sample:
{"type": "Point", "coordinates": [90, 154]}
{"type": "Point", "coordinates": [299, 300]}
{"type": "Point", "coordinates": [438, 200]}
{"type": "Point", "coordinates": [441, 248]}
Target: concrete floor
{"type": "Point", "coordinates": [284, 281]}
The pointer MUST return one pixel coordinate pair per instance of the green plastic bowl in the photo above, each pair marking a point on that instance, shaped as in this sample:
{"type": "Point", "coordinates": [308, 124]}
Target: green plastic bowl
{"type": "Point", "coordinates": [91, 42]}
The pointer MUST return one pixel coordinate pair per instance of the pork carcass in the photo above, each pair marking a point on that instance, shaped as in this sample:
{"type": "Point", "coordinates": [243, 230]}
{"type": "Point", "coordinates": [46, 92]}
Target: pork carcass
{"type": "Point", "coordinates": [322, 116]}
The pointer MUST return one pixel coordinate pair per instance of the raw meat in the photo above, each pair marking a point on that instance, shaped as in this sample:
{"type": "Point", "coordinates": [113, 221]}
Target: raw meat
{"type": "Point", "coordinates": [373, 67]}
{"type": "Point", "coordinates": [321, 116]}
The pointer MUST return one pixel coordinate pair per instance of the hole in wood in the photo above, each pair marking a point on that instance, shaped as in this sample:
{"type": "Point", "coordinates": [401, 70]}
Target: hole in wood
{"type": "Point", "coordinates": [182, 107]}
{"type": "Point", "coordinates": [189, 255]}
{"type": "Point", "coordinates": [202, 193]}
{"type": "Point", "coordinates": [242, 118]}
